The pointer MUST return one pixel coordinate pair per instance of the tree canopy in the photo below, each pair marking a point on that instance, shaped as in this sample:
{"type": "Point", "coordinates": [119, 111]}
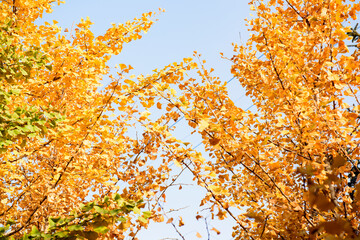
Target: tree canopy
{"type": "Point", "coordinates": [287, 170]}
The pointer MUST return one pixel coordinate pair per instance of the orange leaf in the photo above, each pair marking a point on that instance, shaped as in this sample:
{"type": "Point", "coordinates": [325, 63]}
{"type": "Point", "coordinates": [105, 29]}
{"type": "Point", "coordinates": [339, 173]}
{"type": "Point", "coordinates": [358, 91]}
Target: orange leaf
{"type": "Point", "coordinates": [181, 223]}
{"type": "Point", "coordinates": [214, 141]}
{"type": "Point", "coordinates": [215, 230]}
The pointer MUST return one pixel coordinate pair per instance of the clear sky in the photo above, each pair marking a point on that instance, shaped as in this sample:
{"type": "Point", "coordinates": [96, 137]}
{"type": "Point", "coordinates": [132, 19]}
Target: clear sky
{"type": "Point", "coordinates": [206, 26]}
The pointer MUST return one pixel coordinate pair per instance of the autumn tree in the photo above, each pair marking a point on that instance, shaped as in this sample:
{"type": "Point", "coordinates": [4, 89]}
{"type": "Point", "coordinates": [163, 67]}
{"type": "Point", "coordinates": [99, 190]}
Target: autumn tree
{"type": "Point", "coordinates": [292, 165]}
{"type": "Point", "coordinates": [51, 111]}
{"type": "Point", "coordinates": [304, 136]}
{"type": "Point", "coordinates": [287, 170]}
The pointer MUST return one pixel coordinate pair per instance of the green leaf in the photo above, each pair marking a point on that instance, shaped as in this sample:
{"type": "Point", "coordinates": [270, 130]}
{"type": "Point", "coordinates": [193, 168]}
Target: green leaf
{"type": "Point", "coordinates": [68, 220]}
{"type": "Point", "coordinates": [10, 222]}
{"type": "Point", "coordinates": [115, 212]}
{"type": "Point", "coordinates": [147, 214]}
{"type": "Point", "coordinates": [101, 229]}
{"type": "Point", "coordinates": [23, 72]}
{"type": "Point", "coordinates": [142, 219]}
{"type": "Point", "coordinates": [136, 210]}
{"type": "Point", "coordinates": [35, 232]}
{"type": "Point", "coordinates": [53, 221]}
{"type": "Point", "coordinates": [62, 234]}
{"type": "Point", "coordinates": [76, 228]}
{"type": "Point", "coordinates": [15, 91]}
{"type": "Point", "coordinates": [117, 197]}
{"type": "Point", "coordinates": [88, 207]}
{"type": "Point", "coordinates": [32, 135]}
{"type": "Point", "coordinates": [25, 237]}
{"type": "Point", "coordinates": [48, 236]}
{"type": "Point", "coordinates": [101, 210]}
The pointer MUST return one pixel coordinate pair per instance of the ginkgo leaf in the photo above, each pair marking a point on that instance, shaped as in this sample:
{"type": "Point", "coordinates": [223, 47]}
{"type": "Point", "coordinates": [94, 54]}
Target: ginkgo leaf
{"type": "Point", "coordinates": [215, 230]}
{"type": "Point", "coordinates": [203, 124]}
{"type": "Point", "coordinates": [181, 223]}
{"type": "Point", "coordinates": [177, 163]}
{"type": "Point", "coordinates": [170, 220]}
{"type": "Point", "coordinates": [215, 189]}
{"type": "Point", "coordinates": [101, 229]}
{"type": "Point", "coordinates": [214, 141]}
{"type": "Point", "coordinates": [145, 114]}
{"type": "Point", "coordinates": [338, 161]}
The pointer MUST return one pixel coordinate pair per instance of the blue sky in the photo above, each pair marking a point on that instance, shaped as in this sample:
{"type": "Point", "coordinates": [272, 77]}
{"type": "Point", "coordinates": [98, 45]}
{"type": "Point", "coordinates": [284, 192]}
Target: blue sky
{"type": "Point", "coordinates": [208, 27]}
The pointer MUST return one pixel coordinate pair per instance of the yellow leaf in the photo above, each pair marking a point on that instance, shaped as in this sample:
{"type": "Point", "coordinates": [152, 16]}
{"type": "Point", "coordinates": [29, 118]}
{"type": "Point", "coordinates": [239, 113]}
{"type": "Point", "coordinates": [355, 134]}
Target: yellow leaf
{"type": "Point", "coordinates": [173, 92]}
{"type": "Point", "coordinates": [145, 114]}
{"type": "Point", "coordinates": [177, 163]}
{"type": "Point", "coordinates": [212, 174]}
{"type": "Point", "coordinates": [215, 189]}
{"type": "Point", "coordinates": [204, 123]}
{"type": "Point", "coordinates": [122, 66]}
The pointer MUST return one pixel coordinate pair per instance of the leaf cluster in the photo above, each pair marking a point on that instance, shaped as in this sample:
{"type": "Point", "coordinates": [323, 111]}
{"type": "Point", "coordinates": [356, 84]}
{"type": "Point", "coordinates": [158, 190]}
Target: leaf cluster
{"type": "Point", "coordinates": [20, 121]}
{"type": "Point", "coordinates": [89, 222]}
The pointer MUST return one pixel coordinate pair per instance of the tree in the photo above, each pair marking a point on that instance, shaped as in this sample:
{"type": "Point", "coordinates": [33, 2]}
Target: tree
{"type": "Point", "coordinates": [288, 170]}
{"type": "Point", "coordinates": [53, 152]}
{"type": "Point", "coordinates": [291, 166]}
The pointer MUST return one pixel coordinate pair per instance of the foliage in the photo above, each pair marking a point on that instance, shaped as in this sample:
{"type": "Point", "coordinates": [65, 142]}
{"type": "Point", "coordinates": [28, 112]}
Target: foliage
{"type": "Point", "coordinates": [49, 134]}
{"type": "Point", "coordinates": [288, 170]}
{"type": "Point", "coordinates": [304, 139]}
{"type": "Point", "coordinates": [89, 222]}
{"type": "Point", "coordinates": [17, 120]}
{"type": "Point", "coordinates": [292, 166]}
